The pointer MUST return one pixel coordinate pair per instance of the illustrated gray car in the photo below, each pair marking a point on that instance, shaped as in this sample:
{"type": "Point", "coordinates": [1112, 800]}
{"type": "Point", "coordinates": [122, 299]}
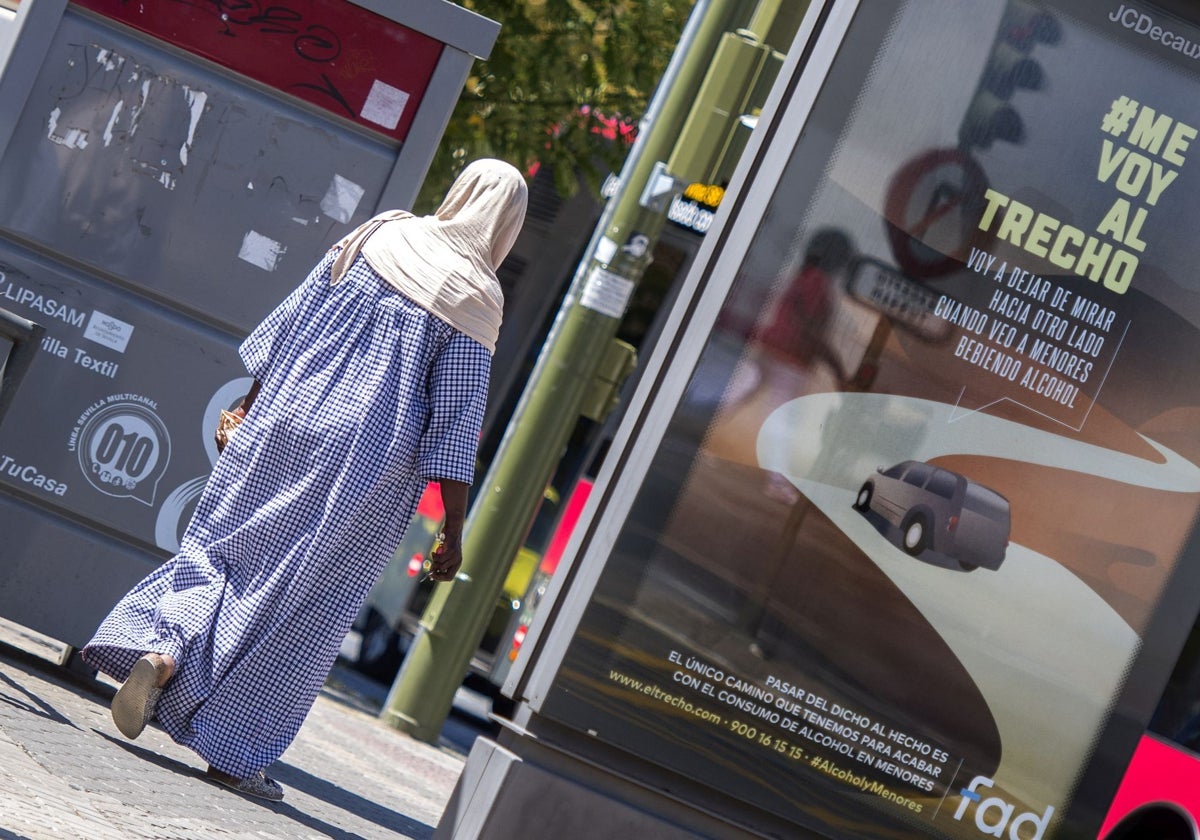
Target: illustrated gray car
{"type": "Point", "coordinates": [938, 509]}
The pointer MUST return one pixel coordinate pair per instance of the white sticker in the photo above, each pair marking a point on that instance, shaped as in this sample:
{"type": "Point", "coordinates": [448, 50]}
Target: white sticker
{"type": "Point", "coordinates": [384, 105]}
{"type": "Point", "coordinates": [606, 249]}
{"type": "Point", "coordinates": [72, 138]}
{"type": "Point", "coordinates": [109, 331]}
{"type": "Point", "coordinates": [341, 199]}
{"type": "Point", "coordinates": [660, 185]}
{"type": "Point", "coordinates": [195, 101]}
{"type": "Point", "coordinates": [112, 121]}
{"type": "Point", "coordinates": [261, 251]}
{"type": "Point", "coordinates": [606, 293]}
{"type": "Point", "coordinates": [110, 60]}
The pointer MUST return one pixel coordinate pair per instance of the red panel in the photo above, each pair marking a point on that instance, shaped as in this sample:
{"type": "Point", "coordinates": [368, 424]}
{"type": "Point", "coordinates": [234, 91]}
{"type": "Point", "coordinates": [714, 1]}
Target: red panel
{"type": "Point", "coordinates": [1158, 773]}
{"type": "Point", "coordinates": [430, 506]}
{"type": "Point", "coordinates": [332, 53]}
{"type": "Point", "coordinates": [562, 534]}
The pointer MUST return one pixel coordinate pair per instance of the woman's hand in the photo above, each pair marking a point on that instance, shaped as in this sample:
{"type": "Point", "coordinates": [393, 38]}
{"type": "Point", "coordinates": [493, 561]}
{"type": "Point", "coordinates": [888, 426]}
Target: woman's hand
{"type": "Point", "coordinates": [240, 411]}
{"type": "Point", "coordinates": [446, 559]}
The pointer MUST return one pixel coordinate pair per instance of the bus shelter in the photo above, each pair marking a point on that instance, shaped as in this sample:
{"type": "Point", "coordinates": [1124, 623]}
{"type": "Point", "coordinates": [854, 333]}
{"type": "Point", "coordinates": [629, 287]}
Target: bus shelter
{"type": "Point", "coordinates": [897, 537]}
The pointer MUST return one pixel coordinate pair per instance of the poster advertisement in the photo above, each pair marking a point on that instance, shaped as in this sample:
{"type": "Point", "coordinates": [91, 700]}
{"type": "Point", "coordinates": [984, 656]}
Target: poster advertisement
{"type": "Point", "coordinates": [114, 423]}
{"type": "Point", "coordinates": [909, 524]}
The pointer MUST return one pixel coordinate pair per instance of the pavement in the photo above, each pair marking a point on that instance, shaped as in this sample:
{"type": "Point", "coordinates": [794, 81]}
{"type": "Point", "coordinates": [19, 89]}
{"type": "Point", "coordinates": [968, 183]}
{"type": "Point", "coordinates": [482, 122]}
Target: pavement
{"type": "Point", "coordinates": [65, 770]}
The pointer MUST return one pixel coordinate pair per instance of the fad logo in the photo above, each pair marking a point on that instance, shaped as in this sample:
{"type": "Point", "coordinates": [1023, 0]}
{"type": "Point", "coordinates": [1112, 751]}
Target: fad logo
{"type": "Point", "coordinates": [993, 815]}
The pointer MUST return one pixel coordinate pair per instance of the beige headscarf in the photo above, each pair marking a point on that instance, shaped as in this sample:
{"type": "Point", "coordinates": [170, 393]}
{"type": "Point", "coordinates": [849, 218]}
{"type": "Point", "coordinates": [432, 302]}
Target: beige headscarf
{"type": "Point", "coordinates": [447, 262]}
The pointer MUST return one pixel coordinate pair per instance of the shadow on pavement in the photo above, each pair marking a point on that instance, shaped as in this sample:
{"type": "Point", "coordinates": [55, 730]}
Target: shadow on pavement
{"type": "Point", "coordinates": [357, 691]}
{"type": "Point", "coordinates": [34, 705]}
{"type": "Point", "coordinates": [297, 779]}
{"type": "Point", "coordinates": [294, 777]}
{"type": "Point", "coordinates": [146, 754]}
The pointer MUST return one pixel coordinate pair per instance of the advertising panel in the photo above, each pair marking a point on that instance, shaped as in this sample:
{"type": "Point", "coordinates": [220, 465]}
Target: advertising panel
{"type": "Point", "coordinates": [116, 439]}
{"type": "Point", "coordinates": [156, 170]}
{"type": "Point", "coordinates": [911, 521]}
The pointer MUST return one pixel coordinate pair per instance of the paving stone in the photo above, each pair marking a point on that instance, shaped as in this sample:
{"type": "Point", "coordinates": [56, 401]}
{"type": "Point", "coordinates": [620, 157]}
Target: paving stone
{"type": "Point", "coordinates": [65, 770]}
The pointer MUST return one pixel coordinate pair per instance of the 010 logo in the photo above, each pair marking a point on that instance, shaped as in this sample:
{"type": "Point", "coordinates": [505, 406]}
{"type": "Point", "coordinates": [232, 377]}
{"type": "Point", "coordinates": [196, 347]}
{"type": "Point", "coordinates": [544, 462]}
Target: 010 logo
{"type": "Point", "coordinates": [123, 447]}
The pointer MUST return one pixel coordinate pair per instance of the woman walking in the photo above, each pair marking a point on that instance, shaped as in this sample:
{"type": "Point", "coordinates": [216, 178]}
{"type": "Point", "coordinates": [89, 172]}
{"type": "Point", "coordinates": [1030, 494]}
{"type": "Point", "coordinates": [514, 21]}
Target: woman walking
{"type": "Point", "coordinates": [370, 381]}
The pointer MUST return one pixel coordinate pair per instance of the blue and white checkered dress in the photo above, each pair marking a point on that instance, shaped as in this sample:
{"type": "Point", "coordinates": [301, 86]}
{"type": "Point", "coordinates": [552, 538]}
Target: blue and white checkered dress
{"type": "Point", "coordinates": [365, 397]}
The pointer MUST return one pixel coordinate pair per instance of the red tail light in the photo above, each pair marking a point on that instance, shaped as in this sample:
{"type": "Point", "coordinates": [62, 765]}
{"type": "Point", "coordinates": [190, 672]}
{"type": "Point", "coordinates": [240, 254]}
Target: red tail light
{"type": "Point", "coordinates": [518, 638]}
{"type": "Point", "coordinates": [951, 523]}
{"type": "Point", "coordinates": [415, 564]}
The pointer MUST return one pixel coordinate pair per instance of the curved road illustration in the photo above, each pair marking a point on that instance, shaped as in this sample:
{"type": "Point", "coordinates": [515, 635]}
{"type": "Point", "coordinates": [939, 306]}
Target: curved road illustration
{"type": "Point", "coordinates": [1046, 651]}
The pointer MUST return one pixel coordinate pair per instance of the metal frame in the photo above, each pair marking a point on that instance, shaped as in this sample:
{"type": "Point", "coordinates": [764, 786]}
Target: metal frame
{"type": "Point", "coordinates": [446, 22]}
{"type": "Point", "coordinates": [416, 155]}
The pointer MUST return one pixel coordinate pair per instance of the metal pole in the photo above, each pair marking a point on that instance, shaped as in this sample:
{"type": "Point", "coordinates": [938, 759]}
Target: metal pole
{"type": "Point", "coordinates": [549, 408]}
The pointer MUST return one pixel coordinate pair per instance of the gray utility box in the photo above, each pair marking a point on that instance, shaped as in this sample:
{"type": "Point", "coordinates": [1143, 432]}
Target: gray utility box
{"type": "Point", "coordinates": [168, 173]}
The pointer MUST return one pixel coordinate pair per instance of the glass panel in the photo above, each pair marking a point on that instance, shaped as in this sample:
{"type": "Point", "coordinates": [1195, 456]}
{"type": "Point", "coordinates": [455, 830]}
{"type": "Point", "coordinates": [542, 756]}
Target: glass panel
{"type": "Point", "coordinates": [982, 500]}
{"type": "Point", "coordinates": [918, 474]}
{"type": "Point", "coordinates": [896, 471]}
{"type": "Point", "coordinates": [984, 262]}
{"type": "Point", "coordinates": [942, 483]}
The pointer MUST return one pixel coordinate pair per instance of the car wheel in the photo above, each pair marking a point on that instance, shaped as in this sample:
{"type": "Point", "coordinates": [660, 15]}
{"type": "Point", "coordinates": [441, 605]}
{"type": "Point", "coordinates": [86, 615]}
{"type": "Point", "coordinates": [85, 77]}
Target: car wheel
{"type": "Point", "coordinates": [967, 567]}
{"type": "Point", "coordinates": [862, 502]}
{"type": "Point", "coordinates": [915, 534]}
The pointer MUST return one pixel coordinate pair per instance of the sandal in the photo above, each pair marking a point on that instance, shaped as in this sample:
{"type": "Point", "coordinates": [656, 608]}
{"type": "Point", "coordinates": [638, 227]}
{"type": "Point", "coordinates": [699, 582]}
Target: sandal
{"type": "Point", "coordinates": [133, 705]}
{"type": "Point", "coordinates": [260, 784]}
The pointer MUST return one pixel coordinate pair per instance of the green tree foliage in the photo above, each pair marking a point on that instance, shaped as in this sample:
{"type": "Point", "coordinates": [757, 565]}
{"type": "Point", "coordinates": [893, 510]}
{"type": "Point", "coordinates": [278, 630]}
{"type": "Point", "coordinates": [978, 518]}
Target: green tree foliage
{"type": "Point", "coordinates": [560, 72]}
